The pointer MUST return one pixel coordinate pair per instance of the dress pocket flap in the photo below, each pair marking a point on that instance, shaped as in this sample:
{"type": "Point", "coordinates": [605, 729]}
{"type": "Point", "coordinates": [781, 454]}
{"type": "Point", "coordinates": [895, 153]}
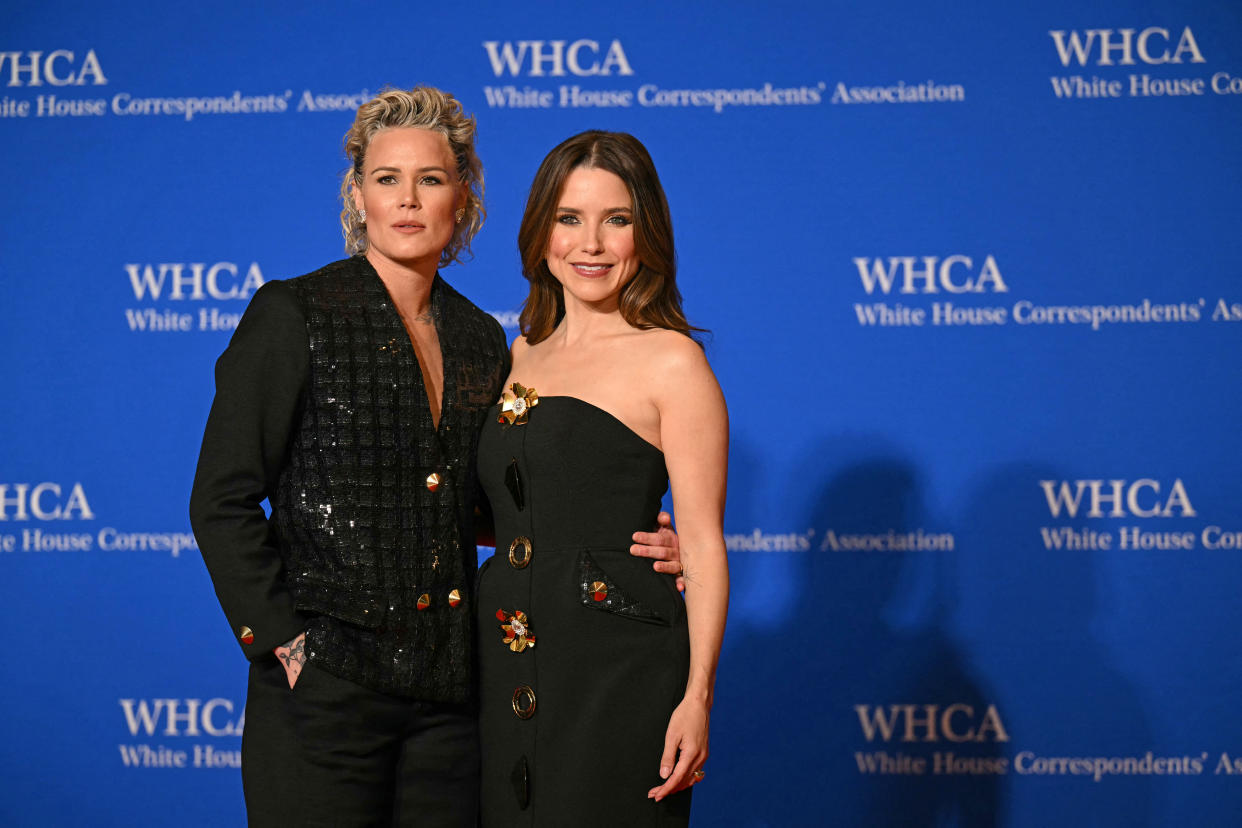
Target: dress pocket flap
{"type": "Point", "coordinates": [599, 591]}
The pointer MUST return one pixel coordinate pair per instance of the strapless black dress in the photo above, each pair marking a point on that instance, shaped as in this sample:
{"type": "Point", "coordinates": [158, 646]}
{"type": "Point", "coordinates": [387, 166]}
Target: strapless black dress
{"type": "Point", "coordinates": [583, 648]}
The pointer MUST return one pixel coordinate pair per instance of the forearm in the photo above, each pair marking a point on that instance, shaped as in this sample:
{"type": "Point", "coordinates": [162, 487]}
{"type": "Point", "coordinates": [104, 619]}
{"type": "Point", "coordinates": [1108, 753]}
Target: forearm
{"type": "Point", "coordinates": [707, 605]}
{"type": "Point", "coordinates": [245, 564]}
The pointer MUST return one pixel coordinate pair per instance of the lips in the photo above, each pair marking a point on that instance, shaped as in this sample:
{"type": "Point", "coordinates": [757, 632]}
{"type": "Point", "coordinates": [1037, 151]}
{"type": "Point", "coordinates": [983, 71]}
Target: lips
{"type": "Point", "coordinates": [590, 271]}
{"type": "Point", "coordinates": [408, 227]}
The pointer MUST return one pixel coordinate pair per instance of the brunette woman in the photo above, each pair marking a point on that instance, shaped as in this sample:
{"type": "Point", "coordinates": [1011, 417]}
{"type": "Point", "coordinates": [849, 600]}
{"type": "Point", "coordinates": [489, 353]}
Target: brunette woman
{"type": "Point", "coordinates": [596, 676]}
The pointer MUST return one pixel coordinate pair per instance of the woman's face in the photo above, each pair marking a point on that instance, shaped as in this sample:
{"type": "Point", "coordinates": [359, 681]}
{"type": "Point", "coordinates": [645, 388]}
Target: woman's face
{"type": "Point", "coordinates": [410, 192]}
{"type": "Point", "coordinates": [591, 249]}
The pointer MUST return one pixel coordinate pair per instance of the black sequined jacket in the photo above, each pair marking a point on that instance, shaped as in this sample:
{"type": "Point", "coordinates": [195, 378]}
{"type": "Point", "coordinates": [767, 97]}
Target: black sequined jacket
{"type": "Point", "coordinates": [320, 408]}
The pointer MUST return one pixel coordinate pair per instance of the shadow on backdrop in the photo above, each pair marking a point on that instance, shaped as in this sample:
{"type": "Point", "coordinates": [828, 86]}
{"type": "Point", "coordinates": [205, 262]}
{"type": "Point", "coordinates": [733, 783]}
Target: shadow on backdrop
{"type": "Point", "coordinates": [1028, 615]}
{"type": "Point", "coordinates": [855, 628]}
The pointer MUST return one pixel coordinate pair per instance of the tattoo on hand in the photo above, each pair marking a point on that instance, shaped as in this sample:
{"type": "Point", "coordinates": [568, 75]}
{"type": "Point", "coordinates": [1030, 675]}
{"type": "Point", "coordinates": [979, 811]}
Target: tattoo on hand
{"type": "Point", "coordinates": [295, 651]}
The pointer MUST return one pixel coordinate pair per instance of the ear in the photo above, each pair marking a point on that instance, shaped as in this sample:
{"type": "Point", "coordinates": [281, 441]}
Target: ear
{"type": "Point", "coordinates": [356, 191]}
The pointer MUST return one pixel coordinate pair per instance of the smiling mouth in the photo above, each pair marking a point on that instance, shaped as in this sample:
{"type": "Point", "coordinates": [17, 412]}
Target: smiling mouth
{"type": "Point", "coordinates": [591, 270]}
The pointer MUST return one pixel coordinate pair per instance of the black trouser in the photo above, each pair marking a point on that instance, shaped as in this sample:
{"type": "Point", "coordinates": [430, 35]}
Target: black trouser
{"type": "Point", "coordinates": [332, 753]}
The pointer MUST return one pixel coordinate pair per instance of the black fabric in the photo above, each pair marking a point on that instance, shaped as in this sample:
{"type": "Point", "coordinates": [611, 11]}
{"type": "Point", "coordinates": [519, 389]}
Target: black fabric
{"type": "Point", "coordinates": [333, 753]}
{"type": "Point", "coordinates": [611, 598]}
{"type": "Point", "coordinates": [260, 380]}
{"type": "Point", "coordinates": [605, 678]}
{"type": "Point", "coordinates": [320, 407]}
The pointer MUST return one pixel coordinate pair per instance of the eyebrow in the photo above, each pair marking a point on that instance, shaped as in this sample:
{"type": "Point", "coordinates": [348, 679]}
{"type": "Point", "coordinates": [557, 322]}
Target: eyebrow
{"type": "Point", "coordinates": [420, 169]}
{"type": "Point", "coordinates": [576, 211]}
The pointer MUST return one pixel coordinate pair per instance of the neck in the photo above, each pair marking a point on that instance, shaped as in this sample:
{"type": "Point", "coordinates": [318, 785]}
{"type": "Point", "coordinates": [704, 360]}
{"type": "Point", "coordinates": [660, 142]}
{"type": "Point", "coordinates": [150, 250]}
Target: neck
{"type": "Point", "coordinates": [408, 283]}
{"type": "Point", "coordinates": [583, 322]}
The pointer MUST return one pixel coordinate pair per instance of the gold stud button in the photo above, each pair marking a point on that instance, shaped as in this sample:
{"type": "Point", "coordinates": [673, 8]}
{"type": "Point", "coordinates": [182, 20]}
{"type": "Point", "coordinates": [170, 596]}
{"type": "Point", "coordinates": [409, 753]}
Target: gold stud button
{"type": "Point", "coordinates": [424, 601]}
{"type": "Point", "coordinates": [454, 597]}
{"type": "Point", "coordinates": [523, 560]}
{"type": "Point", "coordinates": [246, 635]}
{"type": "Point", "coordinates": [433, 481]}
{"type": "Point", "coordinates": [524, 702]}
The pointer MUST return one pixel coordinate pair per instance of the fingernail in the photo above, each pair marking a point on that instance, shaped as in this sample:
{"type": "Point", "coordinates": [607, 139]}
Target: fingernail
{"type": "Point", "coordinates": [665, 771]}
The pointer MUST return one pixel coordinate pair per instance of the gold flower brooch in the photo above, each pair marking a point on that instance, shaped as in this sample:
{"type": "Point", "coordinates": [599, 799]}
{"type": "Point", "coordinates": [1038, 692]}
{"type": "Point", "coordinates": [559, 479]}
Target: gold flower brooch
{"type": "Point", "coordinates": [516, 403]}
{"type": "Point", "coordinates": [518, 635]}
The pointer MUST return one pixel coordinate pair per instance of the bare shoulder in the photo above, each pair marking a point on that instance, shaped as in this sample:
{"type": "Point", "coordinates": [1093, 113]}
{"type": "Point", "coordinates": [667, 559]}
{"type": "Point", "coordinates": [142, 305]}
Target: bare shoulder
{"type": "Point", "coordinates": [519, 352]}
{"type": "Point", "coordinates": [519, 346]}
{"type": "Point", "coordinates": [673, 353]}
{"type": "Point", "coordinates": [679, 367]}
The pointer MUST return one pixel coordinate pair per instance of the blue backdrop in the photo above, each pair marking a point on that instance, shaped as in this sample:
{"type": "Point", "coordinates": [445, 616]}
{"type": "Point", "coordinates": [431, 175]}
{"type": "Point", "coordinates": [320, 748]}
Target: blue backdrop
{"type": "Point", "coordinates": [973, 281]}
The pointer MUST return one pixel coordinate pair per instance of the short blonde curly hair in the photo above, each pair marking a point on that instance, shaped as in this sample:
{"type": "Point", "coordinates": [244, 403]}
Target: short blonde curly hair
{"type": "Point", "coordinates": [428, 108]}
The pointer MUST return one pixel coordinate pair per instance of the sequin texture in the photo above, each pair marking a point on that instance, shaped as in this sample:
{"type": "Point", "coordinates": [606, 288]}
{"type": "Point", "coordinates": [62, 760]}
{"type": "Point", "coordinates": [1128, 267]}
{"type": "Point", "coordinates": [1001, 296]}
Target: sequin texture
{"type": "Point", "coordinates": [363, 534]}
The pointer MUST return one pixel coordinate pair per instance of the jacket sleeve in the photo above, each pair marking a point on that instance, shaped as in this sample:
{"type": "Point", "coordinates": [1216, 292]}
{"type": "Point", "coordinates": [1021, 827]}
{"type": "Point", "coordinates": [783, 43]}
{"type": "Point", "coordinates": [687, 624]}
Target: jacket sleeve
{"type": "Point", "coordinates": [260, 381]}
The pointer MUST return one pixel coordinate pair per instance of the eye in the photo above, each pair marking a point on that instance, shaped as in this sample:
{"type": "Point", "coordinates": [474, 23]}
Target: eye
{"type": "Point", "coordinates": [619, 220]}
{"type": "Point", "coordinates": [431, 179]}
{"type": "Point", "coordinates": [387, 179]}
{"type": "Point", "coordinates": [567, 218]}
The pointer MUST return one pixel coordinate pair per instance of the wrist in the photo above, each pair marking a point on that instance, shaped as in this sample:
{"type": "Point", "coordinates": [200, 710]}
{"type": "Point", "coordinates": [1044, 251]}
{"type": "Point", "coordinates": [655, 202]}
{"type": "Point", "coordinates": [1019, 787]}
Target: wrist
{"type": "Point", "coordinates": [699, 694]}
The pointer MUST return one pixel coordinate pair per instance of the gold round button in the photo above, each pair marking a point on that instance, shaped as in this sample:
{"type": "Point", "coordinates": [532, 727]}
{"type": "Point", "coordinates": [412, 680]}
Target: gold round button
{"type": "Point", "coordinates": [433, 481]}
{"type": "Point", "coordinates": [528, 550]}
{"type": "Point", "coordinates": [524, 702]}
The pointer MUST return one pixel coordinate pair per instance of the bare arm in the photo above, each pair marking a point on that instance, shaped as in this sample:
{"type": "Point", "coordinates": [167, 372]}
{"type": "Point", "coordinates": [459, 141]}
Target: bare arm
{"type": "Point", "coordinates": [694, 431]}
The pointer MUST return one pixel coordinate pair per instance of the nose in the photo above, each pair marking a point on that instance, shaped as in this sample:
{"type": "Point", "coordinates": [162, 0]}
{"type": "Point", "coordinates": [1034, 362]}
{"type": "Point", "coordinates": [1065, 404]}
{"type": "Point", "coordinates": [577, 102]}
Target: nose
{"type": "Point", "coordinates": [592, 242]}
{"type": "Point", "coordinates": [409, 195]}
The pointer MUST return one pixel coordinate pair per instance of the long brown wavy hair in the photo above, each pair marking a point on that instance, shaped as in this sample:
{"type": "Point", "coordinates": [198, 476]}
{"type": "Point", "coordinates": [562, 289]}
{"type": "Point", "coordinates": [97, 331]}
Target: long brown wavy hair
{"type": "Point", "coordinates": [650, 299]}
